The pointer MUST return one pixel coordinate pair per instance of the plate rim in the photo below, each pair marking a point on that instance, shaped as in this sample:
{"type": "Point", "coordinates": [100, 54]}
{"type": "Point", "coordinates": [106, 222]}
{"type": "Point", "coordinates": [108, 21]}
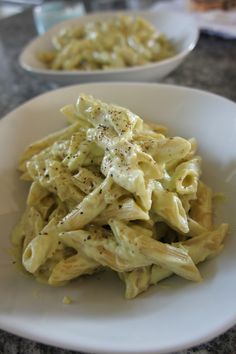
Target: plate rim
{"type": "Point", "coordinates": [119, 83]}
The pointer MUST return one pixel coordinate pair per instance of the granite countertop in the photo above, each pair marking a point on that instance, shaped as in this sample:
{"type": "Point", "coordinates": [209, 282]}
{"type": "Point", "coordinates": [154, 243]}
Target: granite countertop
{"type": "Point", "coordinates": [211, 67]}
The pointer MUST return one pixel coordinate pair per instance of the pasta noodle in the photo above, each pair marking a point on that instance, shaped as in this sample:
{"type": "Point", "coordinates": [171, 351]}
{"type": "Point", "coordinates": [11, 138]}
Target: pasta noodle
{"type": "Point", "coordinates": [111, 191]}
{"type": "Point", "coordinates": [122, 41]}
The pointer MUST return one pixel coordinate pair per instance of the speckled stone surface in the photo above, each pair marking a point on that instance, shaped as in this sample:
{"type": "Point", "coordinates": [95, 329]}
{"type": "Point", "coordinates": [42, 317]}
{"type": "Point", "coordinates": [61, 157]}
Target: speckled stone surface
{"type": "Point", "coordinates": [211, 67]}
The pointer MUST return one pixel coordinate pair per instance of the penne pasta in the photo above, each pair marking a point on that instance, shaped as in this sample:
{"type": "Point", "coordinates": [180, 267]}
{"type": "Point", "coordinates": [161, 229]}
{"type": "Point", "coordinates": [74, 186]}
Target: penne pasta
{"type": "Point", "coordinates": [201, 208]}
{"type": "Point", "coordinates": [118, 42]}
{"type": "Point", "coordinates": [71, 268]}
{"type": "Point", "coordinates": [111, 191]}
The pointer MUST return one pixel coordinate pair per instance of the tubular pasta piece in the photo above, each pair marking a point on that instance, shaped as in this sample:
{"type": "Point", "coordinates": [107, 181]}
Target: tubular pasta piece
{"type": "Point", "coordinates": [44, 245]}
{"type": "Point", "coordinates": [96, 112]}
{"type": "Point", "coordinates": [168, 205]}
{"type": "Point", "coordinates": [41, 144]}
{"type": "Point", "coordinates": [61, 182]}
{"type": "Point", "coordinates": [104, 136]}
{"type": "Point", "coordinates": [96, 245]}
{"type": "Point", "coordinates": [40, 249]}
{"type": "Point", "coordinates": [200, 248]}
{"type": "Point", "coordinates": [86, 180]}
{"type": "Point", "coordinates": [186, 176]}
{"type": "Point", "coordinates": [186, 200]}
{"type": "Point", "coordinates": [126, 209]}
{"type": "Point", "coordinates": [130, 250]}
{"type": "Point", "coordinates": [46, 206]}
{"type": "Point", "coordinates": [71, 268]}
{"type": "Point", "coordinates": [36, 193]}
{"type": "Point", "coordinates": [156, 252]}
{"type": "Point", "coordinates": [193, 150]}
{"type": "Point", "coordinates": [91, 206]}
{"type": "Point", "coordinates": [157, 128]}
{"type": "Point", "coordinates": [69, 112]}
{"type": "Point", "coordinates": [195, 228]}
{"type": "Point", "coordinates": [172, 149]}
{"type": "Point", "coordinates": [136, 281]}
{"type": "Point", "coordinates": [206, 244]}
{"type": "Point", "coordinates": [128, 167]}
{"type": "Point", "coordinates": [30, 225]}
{"type": "Point", "coordinates": [87, 154]}
{"type": "Point", "coordinates": [201, 208]}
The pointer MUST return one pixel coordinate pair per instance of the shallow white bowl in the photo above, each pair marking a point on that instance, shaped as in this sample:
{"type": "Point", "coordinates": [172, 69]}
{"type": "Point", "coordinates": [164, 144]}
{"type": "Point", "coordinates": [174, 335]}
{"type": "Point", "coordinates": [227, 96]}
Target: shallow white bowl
{"type": "Point", "coordinates": [179, 28]}
{"type": "Point", "coordinates": [165, 318]}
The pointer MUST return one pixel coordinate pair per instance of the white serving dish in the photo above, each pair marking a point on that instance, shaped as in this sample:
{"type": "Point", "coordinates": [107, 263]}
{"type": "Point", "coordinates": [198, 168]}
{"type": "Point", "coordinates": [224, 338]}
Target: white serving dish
{"type": "Point", "coordinates": [179, 28]}
{"type": "Point", "coordinates": [168, 317]}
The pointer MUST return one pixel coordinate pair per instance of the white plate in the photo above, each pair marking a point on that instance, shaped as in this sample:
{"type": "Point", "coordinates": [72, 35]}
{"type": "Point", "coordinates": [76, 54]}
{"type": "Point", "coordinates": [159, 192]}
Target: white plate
{"type": "Point", "coordinates": [179, 28]}
{"type": "Point", "coordinates": [163, 319]}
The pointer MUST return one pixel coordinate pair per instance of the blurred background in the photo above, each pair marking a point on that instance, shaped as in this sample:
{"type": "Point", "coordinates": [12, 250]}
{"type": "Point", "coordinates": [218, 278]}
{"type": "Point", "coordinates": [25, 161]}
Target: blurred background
{"type": "Point", "coordinates": [48, 12]}
{"type": "Point", "coordinates": [11, 7]}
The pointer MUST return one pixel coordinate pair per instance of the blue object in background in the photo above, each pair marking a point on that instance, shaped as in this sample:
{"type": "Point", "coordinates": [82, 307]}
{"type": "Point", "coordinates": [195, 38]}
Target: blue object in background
{"type": "Point", "coordinates": [49, 14]}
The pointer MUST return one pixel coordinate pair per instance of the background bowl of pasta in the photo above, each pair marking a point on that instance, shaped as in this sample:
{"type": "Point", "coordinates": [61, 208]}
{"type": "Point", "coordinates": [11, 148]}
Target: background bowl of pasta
{"type": "Point", "coordinates": [180, 30]}
{"type": "Point", "coordinates": [99, 318]}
